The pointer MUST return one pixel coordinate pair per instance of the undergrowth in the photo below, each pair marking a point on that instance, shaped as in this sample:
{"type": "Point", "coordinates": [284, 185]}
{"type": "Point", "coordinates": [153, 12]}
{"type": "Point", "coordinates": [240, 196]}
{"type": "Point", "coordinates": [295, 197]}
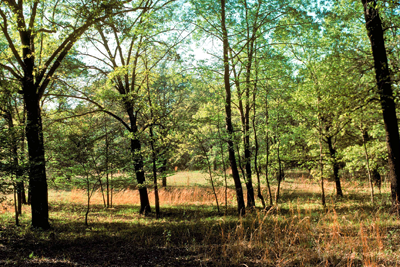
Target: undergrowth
{"type": "Point", "coordinates": [191, 232]}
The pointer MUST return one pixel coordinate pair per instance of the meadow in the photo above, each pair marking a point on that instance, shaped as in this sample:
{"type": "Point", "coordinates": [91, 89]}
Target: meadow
{"type": "Point", "coordinates": [191, 232]}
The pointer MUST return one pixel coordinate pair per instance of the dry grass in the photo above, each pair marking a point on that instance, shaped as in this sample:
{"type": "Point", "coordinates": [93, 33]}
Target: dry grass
{"type": "Point", "coordinates": [297, 232]}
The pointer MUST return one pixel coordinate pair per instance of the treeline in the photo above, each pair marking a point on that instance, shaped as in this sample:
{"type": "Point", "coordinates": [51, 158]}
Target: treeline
{"type": "Point", "coordinates": [104, 91]}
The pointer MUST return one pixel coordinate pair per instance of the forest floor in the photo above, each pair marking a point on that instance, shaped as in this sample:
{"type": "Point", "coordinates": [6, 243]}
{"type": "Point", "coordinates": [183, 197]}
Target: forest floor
{"type": "Point", "coordinates": [350, 231]}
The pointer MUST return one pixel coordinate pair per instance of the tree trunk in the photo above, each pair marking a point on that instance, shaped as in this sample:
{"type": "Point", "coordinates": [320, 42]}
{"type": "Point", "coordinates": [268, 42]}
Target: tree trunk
{"type": "Point", "coordinates": [15, 206]}
{"type": "Point", "coordinates": [223, 166]}
{"type": "Point", "coordinates": [37, 167]}
{"type": "Point", "coordinates": [321, 168]}
{"type": "Point", "coordinates": [259, 193]}
{"type": "Point", "coordinates": [228, 118]}
{"type": "Point", "coordinates": [267, 150]}
{"type": "Point", "coordinates": [107, 164]}
{"type": "Point", "coordinates": [335, 167]}
{"type": "Point", "coordinates": [18, 184]}
{"type": "Point", "coordinates": [375, 33]}
{"type": "Point", "coordinates": [249, 182]}
{"type": "Point", "coordinates": [211, 178]}
{"type": "Point", "coordinates": [279, 176]}
{"type": "Point", "coordinates": [153, 157]}
{"type": "Point", "coordinates": [244, 118]}
{"type": "Point", "coordinates": [364, 137]}
{"type": "Point", "coordinates": [138, 164]}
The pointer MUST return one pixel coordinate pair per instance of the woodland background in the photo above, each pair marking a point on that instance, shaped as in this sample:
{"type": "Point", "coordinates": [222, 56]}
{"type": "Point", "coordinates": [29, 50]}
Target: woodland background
{"type": "Point", "coordinates": [275, 110]}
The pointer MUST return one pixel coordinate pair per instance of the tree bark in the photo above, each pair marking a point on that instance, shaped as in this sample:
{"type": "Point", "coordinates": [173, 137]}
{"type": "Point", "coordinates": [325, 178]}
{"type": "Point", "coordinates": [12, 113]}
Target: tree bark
{"type": "Point", "coordinates": [321, 169]}
{"type": "Point", "coordinates": [154, 162]}
{"type": "Point", "coordinates": [228, 112]}
{"type": "Point", "coordinates": [335, 167]}
{"type": "Point", "coordinates": [373, 25]}
{"type": "Point", "coordinates": [138, 164]}
{"type": "Point", "coordinates": [37, 167]}
{"type": "Point", "coordinates": [364, 138]}
{"type": "Point", "coordinates": [163, 173]}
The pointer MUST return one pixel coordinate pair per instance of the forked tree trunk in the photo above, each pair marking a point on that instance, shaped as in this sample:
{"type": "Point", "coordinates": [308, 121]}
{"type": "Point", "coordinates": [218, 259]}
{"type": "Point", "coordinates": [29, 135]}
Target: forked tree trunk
{"type": "Point", "coordinates": [375, 33]}
{"type": "Point", "coordinates": [335, 167]}
{"type": "Point", "coordinates": [228, 113]}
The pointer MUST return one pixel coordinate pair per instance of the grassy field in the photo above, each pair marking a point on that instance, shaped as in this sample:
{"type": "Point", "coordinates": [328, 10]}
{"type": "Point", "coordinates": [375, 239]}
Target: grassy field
{"type": "Point", "coordinates": [191, 232]}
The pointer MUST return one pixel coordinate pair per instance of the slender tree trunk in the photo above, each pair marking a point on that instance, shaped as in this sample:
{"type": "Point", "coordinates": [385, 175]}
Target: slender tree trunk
{"type": "Point", "coordinates": [102, 193]}
{"type": "Point", "coordinates": [228, 112]}
{"type": "Point", "coordinates": [17, 212]}
{"type": "Point", "coordinates": [163, 173]}
{"type": "Point", "coordinates": [249, 181]}
{"type": "Point", "coordinates": [88, 200]}
{"type": "Point", "coordinates": [211, 179]}
{"type": "Point", "coordinates": [267, 151]}
{"type": "Point", "coordinates": [37, 167]}
{"type": "Point", "coordinates": [138, 164]}
{"type": "Point", "coordinates": [22, 185]}
{"type": "Point", "coordinates": [279, 175]}
{"type": "Point", "coordinates": [107, 159]}
{"type": "Point", "coordinates": [247, 153]}
{"type": "Point", "coordinates": [223, 166]}
{"type": "Point", "coordinates": [111, 189]}
{"type": "Point", "coordinates": [239, 161]}
{"type": "Point", "coordinates": [321, 168]}
{"type": "Point", "coordinates": [260, 196]}
{"type": "Point", "coordinates": [384, 84]}
{"type": "Point", "coordinates": [244, 118]}
{"type": "Point", "coordinates": [364, 134]}
{"type": "Point", "coordinates": [335, 167]}
{"type": "Point", "coordinates": [153, 156]}
{"type": "Point", "coordinates": [14, 153]}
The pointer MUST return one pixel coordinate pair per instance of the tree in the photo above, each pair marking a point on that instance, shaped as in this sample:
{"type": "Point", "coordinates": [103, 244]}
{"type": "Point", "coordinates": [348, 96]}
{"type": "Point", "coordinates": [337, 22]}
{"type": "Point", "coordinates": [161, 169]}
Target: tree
{"type": "Point", "coordinates": [34, 21]}
{"type": "Point", "coordinates": [228, 112]}
{"type": "Point", "coordinates": [12, 117]}
{"type": "Point", "coordinates": [127, 62]}
{"type": "Point", "coordinates": [375, 33]}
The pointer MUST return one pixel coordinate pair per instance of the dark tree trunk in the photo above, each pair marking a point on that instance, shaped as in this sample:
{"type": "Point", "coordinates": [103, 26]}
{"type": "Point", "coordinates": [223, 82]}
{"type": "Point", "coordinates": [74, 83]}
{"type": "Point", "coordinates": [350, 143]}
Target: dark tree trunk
{"type": "Point", "coordinates": [153, 157]}
{"type": "Point", "coordinates": [37, 167]}
{"type": "Point", "coordinates": [245, 118]}
{"type": "Point", "coordinates": [138, 164]}
{"type": "Point", "coordinates": [280, 176]}
{"type": "Point", "coordinates": [259, 193]}
{"type": "Point", "coordinates": [247, 154]}
{"type": "Point", "coordinates": [249, 182]}
{"type": "Point", "coordinates": [321, 168]}
{"type": "Point", "coordinates": [375, 33]}
{"type": "Point", "coordinates": [335, 167]}
{"type": "Point", "coordinates": [228, 113]}
{"type": "Point", "coordinates": [17, 169]}
{"type": "Point", "coordinates": [19, 195]}
{"type": "Point", "coordinates": [107, 164]}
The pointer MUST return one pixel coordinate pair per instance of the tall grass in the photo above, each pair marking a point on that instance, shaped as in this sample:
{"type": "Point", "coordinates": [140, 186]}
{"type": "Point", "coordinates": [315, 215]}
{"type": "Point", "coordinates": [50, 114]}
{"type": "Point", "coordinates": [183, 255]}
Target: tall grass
{"type": "Point", "coordinates": [297, 232]}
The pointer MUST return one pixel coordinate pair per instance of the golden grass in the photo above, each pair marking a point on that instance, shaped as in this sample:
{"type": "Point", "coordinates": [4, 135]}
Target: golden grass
{"type": "Point", "coordinates": [297, 232]}
{"type": "Point", "coordinates": [168, 197]}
